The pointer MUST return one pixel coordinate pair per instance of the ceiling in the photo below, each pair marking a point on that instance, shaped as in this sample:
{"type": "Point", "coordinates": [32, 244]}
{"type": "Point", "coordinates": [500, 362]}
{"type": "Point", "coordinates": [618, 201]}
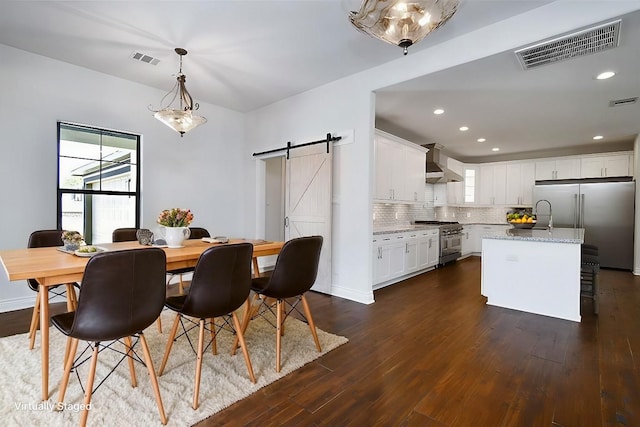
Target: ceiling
{"type": "Point", "coordinates": [246, 54]}
{"type": "Point", "coordinates": [555, 109]}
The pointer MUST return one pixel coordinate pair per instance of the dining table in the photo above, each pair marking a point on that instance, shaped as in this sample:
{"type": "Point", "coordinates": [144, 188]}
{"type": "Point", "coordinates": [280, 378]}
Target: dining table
{"type": "Point", "coordinates": [52, 266]}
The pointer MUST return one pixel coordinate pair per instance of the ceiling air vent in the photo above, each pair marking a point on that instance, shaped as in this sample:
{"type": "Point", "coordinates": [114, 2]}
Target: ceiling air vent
{"type": "Point", "coordinates": [145, 58]}
{"type": "Point", "coordinates": [621, 102]}
{"type": "Point", "coordinates": [584, 42]}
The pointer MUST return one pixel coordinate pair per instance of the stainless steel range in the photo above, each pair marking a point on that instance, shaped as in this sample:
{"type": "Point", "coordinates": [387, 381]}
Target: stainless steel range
{"type": "Point", "coordinates": [450, 239]}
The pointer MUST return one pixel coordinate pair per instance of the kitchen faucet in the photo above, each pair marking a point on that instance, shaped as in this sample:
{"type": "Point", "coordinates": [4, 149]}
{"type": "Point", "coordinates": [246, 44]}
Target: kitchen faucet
{"type": "Point", "coordinates": [535, 210]}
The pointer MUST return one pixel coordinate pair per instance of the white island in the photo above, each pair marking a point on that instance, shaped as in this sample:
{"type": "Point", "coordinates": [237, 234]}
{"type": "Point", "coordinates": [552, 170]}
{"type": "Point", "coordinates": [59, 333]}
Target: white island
{"type": "Point", "coordinates": [537, 271]}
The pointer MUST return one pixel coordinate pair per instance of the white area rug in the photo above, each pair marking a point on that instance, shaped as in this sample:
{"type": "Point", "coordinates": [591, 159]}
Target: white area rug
{"type": "Point", "coordinates": [224, 377]}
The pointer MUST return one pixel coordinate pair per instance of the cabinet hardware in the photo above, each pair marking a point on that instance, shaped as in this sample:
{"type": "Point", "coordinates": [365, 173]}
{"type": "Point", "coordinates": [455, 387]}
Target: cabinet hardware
{"type": "Point", "coordinates": [406, 248]}
{"type": "Point", "coordinates": [286, 221]}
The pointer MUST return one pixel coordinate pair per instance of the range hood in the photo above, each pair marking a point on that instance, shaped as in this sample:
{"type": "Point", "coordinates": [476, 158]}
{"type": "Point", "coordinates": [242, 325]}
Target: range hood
{"type": "Point", "coordinates": [437, 170]}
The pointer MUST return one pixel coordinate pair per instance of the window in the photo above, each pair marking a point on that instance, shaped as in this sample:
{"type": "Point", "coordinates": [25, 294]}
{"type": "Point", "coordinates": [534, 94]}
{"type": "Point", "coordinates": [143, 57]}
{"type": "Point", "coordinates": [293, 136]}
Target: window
{"type": "Point", "coordinates": [98, 176]}
{"type": "Point", "coordinates": [469, 185]}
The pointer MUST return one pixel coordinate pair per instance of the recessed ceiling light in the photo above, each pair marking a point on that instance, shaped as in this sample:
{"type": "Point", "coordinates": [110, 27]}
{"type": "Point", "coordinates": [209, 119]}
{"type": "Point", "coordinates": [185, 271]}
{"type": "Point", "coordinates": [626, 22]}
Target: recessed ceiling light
{"type": "Point", "coordinates": [464, 128]}
{"type": "Point", "coordinates": [605, 75]}
{"type": "Point", "coordinates": [495, 149]}
{"type": "Point", "coordinates": [438, 111]}
{"type": "Point", "coordinates": [598, 137]}
{"type": "Point", "coordinates": [481, 140]}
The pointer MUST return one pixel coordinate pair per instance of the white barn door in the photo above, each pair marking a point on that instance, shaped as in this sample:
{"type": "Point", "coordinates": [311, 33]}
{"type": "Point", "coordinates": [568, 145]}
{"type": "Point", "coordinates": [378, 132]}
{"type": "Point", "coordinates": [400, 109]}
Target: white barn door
{"type": "Point", "coordinates": [308, 202]}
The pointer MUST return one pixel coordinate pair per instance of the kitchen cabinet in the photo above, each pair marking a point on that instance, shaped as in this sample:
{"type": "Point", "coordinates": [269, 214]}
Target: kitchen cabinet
{"type": "Point", "coordinates": [428, 248]}
{"type": "Point", "coordinates": [439, 194]}
{"type": "Point", "coordinates": [411, 253]}
{"type": "Point", "coordinates": [559, 168]}
{"type": "Point", "coordinates": [399, 170]}
{"type": "Point", "coordinates": [397, 256]}
{"type": "Point", "coordinates": [492, 184]}
{"type": "Point", "coordinates": [520, 179]}
{"type": "Point", "coordinates": [388, 258]}
{"type": "Point", "coordinates": [468, 237]}
{"type": "Point", "coordinates": [455, 190]}
{"type": "Point", "coordinates": [605, 166]}
{"type": "Point", "coordinates": [484, 230]}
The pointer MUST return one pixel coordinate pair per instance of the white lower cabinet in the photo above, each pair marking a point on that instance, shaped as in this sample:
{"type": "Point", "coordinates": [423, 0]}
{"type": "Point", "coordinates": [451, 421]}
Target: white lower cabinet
{"type": "Point", "coordinates": [468, 238]}
{"type": "Point", "coordinates": [396, 255]}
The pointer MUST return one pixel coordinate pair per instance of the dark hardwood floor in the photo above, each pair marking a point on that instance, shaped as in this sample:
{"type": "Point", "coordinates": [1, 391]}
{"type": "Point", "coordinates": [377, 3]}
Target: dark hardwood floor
{"type": "Point", "coordinates": [430, 352]}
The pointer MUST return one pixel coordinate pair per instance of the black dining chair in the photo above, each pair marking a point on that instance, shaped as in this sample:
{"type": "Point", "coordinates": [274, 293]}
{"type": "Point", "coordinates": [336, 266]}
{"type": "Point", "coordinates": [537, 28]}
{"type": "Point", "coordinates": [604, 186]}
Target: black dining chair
{"type": "Point", "coordinates": [127, 234]}
{"type": "Point", "coordinates": [42, 239]}
{"type": "Point", "coordinates": [130, 234]}
{"type": "Point", "coordinates": [220, 285]}
{"type": "Point", "coordinates": [295, 272]}
{"type": "Point", "coordinates": [197, 233]}
{"type": "Point", "coordinates": [123, 292]}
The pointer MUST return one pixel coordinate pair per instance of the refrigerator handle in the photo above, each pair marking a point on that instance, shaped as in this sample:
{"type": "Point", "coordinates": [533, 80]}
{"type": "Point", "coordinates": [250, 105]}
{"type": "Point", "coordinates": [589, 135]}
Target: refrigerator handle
{"type": "Point", "coordinates": [581, 210]}
{"type": "Point", "coordinates": [576, 208]}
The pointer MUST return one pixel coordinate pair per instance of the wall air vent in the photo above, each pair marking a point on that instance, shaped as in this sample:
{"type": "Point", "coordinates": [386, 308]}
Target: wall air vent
{"type": "Point", "coordinates": [584, 42]}
{"type": "Point", "coordinates": [145, 58]}
{"type": "Point", "coordinates": [621, 102]}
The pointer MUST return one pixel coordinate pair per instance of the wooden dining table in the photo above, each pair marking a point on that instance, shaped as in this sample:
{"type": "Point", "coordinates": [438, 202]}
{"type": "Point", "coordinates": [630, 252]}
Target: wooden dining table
{"type": "Point", "coordinates": [50, 267]}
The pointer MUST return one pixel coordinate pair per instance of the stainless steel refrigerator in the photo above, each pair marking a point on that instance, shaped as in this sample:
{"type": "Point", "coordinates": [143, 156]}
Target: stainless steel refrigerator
{"type": "Point", "coordinates": [604, 209]}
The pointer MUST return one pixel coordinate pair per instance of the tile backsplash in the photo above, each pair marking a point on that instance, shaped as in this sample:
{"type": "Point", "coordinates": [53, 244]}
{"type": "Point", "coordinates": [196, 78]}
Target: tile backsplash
{"type": "Point", "coordinates": [388, 215]}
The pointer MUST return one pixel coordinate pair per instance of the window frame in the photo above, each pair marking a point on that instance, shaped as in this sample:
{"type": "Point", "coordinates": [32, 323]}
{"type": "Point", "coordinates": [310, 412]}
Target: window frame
{"type": "Point", "coordinates": [87, 193]}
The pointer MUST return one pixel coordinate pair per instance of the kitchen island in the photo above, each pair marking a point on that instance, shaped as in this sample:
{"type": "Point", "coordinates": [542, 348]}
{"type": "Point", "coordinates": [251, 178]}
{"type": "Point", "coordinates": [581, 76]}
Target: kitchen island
{"type": "Point", "coordinates": [537, 271]}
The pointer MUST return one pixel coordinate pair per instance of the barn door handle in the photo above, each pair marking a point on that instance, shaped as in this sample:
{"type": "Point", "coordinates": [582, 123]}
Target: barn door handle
{"type": "Point", "coordinates": [286, 221]}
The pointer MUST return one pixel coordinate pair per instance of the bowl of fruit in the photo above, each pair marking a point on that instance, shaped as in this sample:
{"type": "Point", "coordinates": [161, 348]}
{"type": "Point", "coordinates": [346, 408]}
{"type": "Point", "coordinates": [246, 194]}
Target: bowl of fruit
{"type": "Point", "coordinates": [521, 220]}
{"type": "Point", "coordinates": [88, 251]}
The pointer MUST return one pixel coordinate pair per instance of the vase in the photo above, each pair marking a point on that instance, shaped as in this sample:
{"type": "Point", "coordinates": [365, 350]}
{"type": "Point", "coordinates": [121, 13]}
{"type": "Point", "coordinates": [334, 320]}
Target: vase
{"type": "Point", "coordinates": [175, 236]}
{"type": "Point", "coordinates": [70, 245]}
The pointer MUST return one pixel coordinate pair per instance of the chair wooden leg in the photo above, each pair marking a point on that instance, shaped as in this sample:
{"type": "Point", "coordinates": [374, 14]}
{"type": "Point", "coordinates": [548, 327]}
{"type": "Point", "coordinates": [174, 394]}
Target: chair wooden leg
{"type": "Point", "coordinates": [172, 336]}
{"type": "Point", "coordinates": [214, 344]}
{"type": "Point", "coordinates": [196, 388]}
{"type": "Point", "coordinates": [240, 336]}
{"type": "Point", "coordinates": [67, 350]}
{"type": "Point", "coordinates": [249, 312]}
{"type": "Point", "coordinates": [279, 307]}
{"type": "Point", "coordinates": [180, 285]}
{"type": "Point", "coordinates": [132, 369]}
{"type": "Point", "coordinates": [312, 326]}
{"type": "Point", "coordinates": [70, 297]}
{"type": "Point", "coordinates": [67, 370]}
{"type": "Point", "coordinates": [89, 389]}
{"type": "Point", "coordinates": [159, 323]}
{"type": "Point", "coordinates": [35, 320]}
{"type": "Point", "coordinates": [154, 379]}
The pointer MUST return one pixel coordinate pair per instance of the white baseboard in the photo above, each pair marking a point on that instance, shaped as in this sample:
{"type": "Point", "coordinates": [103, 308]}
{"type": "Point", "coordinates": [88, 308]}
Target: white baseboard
{"type": "Point", "coordinates": [13, 304]}
{"type": "Point", "coordinates": [352, 295]}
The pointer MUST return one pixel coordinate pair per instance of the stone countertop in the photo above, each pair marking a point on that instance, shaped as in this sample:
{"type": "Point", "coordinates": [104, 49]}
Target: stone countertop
{"type": "Point", "coordinates": [555, 235]}
{"type": "Point", "coordinates": [401, 228]}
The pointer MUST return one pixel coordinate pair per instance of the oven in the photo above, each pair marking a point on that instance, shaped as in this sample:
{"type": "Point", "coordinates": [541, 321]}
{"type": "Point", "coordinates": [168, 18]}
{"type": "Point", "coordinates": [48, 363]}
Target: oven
{"type": "Point", "coordinates": [450, 244]}
{"type": "Point", "coordinates": [450, 239]}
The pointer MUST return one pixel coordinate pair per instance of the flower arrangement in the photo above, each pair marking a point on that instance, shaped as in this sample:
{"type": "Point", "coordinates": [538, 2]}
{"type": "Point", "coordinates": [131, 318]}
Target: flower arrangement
{"type": "Point", "coordinates": [71, 240]}
{"type": "Point", "coordinates": [175, 217]}
{"type": "Point", "coordinates": [72, 237]}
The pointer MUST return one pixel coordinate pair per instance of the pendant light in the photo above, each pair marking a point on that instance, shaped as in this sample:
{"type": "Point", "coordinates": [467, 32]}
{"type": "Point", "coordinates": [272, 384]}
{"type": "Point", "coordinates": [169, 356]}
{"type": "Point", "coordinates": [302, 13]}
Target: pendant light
{"type": "Point", "coordinates": [179, 117]}
{"type": "Point", "coordinates": [402, 22]}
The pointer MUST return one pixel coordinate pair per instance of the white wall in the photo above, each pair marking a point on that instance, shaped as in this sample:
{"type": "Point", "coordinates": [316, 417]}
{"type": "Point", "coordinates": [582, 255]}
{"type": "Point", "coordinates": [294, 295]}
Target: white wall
{"type": "Point", "coordinates": [194, 171]}
{"type": "Point", "coordinates": [349, 103]}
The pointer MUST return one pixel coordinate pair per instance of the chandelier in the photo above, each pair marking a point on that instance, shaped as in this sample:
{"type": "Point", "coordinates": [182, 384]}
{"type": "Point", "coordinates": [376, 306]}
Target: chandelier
{"type": "Point", "coordinates": [402, 22]}
{"type": "Point", "coordinates": [179, 117]}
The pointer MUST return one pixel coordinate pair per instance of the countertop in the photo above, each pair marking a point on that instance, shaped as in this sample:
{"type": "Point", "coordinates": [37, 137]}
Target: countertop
{"type": "Point", "coordinates": [556, 235]}
{"type": "Point", "coordinates": [402, 228]}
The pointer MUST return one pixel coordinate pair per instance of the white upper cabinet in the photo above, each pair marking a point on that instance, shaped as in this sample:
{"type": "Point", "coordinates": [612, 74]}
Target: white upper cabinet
{"type": "Point", "coordinates": [605, 166]}
{"type": "Point", "coordinates": [399, 169]}
{"type": "Point", "coordinates": [455, 190]}
{"type": "Point", "coordinates": [560, 168]}
{"type": "Point", "coordinates": [520, 182]}
{"type": "Point", "coordinates": [492, 184]}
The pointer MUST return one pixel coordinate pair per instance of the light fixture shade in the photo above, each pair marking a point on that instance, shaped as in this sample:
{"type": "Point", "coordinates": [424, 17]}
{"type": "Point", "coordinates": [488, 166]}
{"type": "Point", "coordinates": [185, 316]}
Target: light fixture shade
{"type": "Point", "coordinates": [179, 120]}
{"type": "Point", "coordinates": [402, 22]}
